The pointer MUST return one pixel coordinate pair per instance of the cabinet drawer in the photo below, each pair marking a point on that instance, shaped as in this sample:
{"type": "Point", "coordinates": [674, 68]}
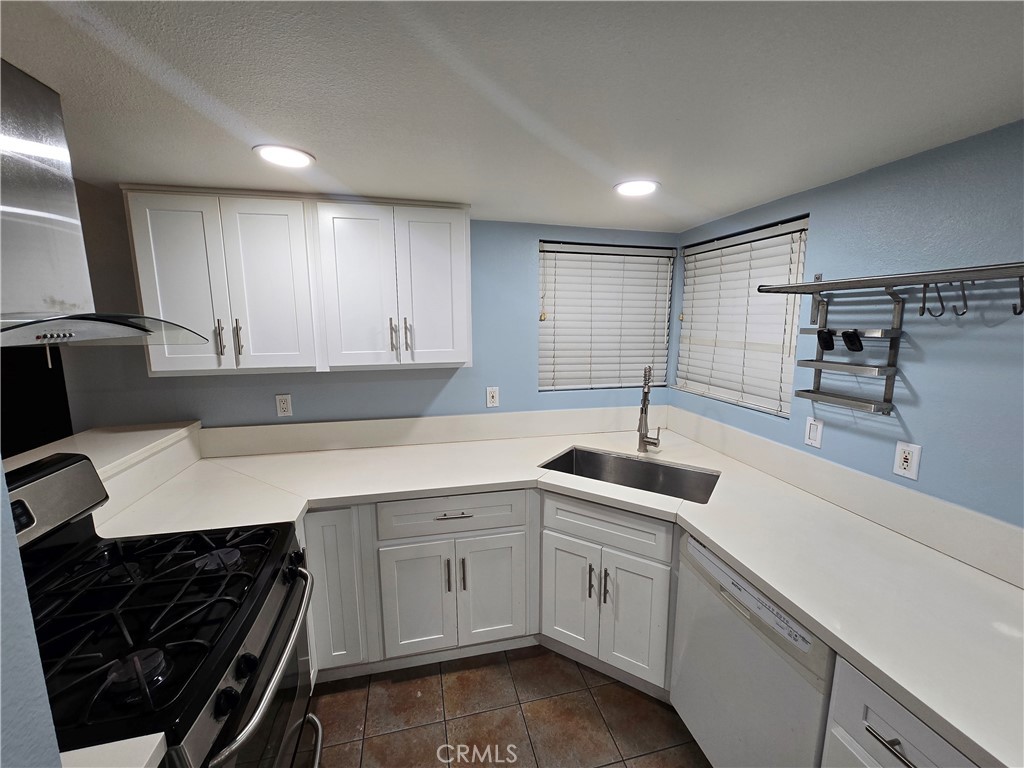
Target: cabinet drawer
{"type": "Point", "coordinates": [859, 706]}
{"type": "Point", "coordinates": [450, 514]}
{"type": "Point", "coordinates": [622, 530]}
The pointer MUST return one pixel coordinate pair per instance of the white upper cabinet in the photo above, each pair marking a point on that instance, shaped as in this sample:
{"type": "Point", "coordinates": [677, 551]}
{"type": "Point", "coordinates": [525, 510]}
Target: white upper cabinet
{"type": "Point", "coordinates": [179, 256]}
{"type": "Point", "coordinates": [233, 269]}
{"type": "Point", "coordinates": [395, 285]}
{"type": "Point", "coordinates": [268, 283]}
{"type": "Point", "coordinates": [357, 258]}
{"type": "Point", "coordinates": [388, 286]}
{"type": "Point", "coordinates": [433, 284]}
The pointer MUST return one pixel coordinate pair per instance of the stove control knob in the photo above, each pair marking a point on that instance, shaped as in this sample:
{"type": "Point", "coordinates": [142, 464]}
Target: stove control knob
{"type": "Point", "coordinates": [226, 700]}
{"type": "Point", "coordinates": [246, 665]}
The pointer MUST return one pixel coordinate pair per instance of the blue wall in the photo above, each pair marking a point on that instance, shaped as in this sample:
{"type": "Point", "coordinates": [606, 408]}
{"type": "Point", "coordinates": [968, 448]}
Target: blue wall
{"type": "Point", "coordinates": [959, 395]}
{"type": "Point", "coordinates": [110, 386]}
{"type": "Point", "coordinates": [27, 739]}
{"type": "Point", "coordinates": [960, 390]}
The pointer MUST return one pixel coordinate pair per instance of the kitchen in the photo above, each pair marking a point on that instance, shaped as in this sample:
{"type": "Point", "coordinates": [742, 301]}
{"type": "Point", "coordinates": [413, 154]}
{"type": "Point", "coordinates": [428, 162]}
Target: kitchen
{"type": "Point", "coordinates": [897, 175]}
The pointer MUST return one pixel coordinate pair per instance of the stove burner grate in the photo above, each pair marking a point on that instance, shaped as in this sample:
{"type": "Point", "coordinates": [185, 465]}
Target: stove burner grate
{"type": "Point", "coordinates": [219, 560]}
{"type": "Point", "coordinates": [139, 670]}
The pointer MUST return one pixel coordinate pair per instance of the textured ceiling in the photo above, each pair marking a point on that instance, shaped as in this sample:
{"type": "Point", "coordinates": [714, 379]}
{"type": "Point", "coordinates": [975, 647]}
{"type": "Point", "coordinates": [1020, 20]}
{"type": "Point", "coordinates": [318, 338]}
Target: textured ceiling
{"type": "Point", "coordinates": [526, 111]}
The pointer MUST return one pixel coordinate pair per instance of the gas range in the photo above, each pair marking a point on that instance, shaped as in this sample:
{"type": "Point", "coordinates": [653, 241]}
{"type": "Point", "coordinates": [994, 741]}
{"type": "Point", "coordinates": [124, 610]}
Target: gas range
{"type": "Point", "coordinates": [193, 635]}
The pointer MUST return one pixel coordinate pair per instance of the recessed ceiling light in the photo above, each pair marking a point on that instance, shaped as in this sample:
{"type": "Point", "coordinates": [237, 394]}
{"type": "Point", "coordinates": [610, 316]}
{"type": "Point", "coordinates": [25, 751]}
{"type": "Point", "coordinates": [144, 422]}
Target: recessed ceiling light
{"type": "Point", "coordinates": [636, 188]}
{"type": "Point", "coordinates": [286, 156]}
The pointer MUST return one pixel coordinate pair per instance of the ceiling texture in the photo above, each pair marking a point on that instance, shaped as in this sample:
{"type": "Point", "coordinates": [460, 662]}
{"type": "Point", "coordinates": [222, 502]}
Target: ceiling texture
{"type": "Point", "coordinates": [528, 111]}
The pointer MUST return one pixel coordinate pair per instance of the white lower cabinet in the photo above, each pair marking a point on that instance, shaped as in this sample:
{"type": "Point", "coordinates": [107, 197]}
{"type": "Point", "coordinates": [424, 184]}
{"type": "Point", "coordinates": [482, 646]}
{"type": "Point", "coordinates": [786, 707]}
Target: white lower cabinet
{"type": "Point", "coordinates": [336, 615]}
{"type": "Point", "coordinates": [867, 727]}
{"type": "Point", "coordinates": [452, 592]}
{"type": "Point", "coordinates": [606, 603]}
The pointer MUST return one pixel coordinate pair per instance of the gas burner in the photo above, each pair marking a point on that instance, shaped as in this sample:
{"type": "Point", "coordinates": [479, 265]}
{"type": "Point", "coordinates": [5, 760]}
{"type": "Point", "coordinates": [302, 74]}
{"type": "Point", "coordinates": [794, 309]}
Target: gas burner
{"type": "Point", "coordinates": [125, 572]}
{"type": "Point", "coordinates": [226, 559]}
{"type": "Point", "coordinates": [124, 675]}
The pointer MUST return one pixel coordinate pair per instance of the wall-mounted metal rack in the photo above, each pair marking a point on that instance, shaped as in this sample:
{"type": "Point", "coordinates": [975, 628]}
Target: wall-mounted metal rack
{"type": "Point", "coordinates": [853, 338]}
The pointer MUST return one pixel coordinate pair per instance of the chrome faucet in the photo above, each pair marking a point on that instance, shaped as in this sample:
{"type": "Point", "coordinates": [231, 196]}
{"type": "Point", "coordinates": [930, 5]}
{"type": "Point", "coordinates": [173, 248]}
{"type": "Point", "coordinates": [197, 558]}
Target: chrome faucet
{"type": "Point", "coordinates": [642, 428]}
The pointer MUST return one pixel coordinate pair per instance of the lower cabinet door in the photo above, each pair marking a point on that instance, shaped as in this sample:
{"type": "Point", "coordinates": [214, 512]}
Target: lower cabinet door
{"type": "Point", "coordinates": [418, 597]}
{"type": "Point", "coordinates": [335, 615]}
{"type": "Point", "coordinates": [570, 591]}
{"type": "Point", "coordinates": [492, 587]}
{"type": "Point", "coordinates": [841, 751]}
{"type": "Point", "coordinates": [634, 614]}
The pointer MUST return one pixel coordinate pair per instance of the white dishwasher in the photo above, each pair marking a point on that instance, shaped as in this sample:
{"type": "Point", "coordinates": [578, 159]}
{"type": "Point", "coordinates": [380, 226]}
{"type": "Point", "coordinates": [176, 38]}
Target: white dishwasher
{"type": "Point", "coordinates": [749, 681]}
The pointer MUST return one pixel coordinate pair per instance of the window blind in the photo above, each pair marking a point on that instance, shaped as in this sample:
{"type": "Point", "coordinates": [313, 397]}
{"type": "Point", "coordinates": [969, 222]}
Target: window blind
{"type": "Point", "coordinates": [603, 315]}
{"type": "Point", "coordinates": [736, 344]}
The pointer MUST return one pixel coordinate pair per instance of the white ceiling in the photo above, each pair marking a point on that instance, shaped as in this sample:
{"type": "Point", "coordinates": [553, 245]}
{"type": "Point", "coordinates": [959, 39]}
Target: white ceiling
{"type": "Point", "coordinates": [527, 111]}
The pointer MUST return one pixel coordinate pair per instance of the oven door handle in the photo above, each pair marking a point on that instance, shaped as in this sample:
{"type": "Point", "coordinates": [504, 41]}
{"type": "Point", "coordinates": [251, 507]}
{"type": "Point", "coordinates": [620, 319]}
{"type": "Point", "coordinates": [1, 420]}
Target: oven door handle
{"type": "Point", "coordinates": [275, 681]}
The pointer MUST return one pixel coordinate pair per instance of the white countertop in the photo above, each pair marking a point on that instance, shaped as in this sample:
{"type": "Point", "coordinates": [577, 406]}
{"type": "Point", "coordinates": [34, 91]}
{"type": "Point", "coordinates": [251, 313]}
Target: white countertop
{"type": "Point", "coordinates": [942, 637]}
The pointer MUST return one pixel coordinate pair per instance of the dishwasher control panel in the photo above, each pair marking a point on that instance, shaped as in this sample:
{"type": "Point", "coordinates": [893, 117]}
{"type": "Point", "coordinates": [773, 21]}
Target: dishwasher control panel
{"type": "Point", "coordinates": [750, 598]}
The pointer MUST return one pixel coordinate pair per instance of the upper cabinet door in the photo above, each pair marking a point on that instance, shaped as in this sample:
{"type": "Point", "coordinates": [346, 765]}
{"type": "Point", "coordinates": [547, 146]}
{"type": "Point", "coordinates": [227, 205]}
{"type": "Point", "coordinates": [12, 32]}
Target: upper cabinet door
{"type": "Point", "coordinates": [179, 255]}
{"type": "Point", "coordinates": [357, 253]}
{"type": "Point", "coordinates": [268, 281]}
{"type": "Point", "coordinates": [433, 284]}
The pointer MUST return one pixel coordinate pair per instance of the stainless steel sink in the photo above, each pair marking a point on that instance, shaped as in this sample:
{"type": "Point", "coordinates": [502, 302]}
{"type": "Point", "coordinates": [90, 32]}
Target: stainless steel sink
{"type": "Point", "coordinates": [689, 483]}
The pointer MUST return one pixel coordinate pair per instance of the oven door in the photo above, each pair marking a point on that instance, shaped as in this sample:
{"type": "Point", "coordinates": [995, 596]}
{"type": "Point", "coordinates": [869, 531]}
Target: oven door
{"type": "Point", "coordinates": [268, 730]}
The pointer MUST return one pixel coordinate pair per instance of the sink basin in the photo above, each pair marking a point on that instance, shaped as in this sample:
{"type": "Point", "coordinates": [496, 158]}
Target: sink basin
{"type": "Point", "coordinates": [689, 483]}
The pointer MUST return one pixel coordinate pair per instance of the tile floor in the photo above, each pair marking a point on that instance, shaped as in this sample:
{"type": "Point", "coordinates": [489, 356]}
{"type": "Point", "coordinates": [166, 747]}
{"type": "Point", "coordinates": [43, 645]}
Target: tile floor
{"type": "Point", "coordinates": [538, 706]}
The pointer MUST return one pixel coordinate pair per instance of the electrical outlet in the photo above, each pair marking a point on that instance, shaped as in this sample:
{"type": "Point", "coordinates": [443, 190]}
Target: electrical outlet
{"type": "Point", "coordinates": [284, 405]}
{"type": "Point", "coordinates": [908, 459]}
{"type": "Point", "coordinates": [492, 397]}
{"type": "Point", "coordinates": [812, 432]}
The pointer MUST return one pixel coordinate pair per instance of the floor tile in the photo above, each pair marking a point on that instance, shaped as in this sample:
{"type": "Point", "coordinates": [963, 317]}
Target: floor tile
{"type": "Point", "coordinates": [502, 731]}
{"type": "Point", "coordinates": [339, 756]}
{"type": "Point", "coordinates": [639, 723]}
{"type": "Point", "coordinates": [539, 672]}
{"type": "Point", "coordinates": [567, 732]}
{"type": "Point", "coordinates": [476, 684]}
{"type": "Point", "coordinates": [341, 708]}
{"type": "Point", "coordinates": [403, 699]}
{"type": "Point", "coordinates": [593, 678]}
{"type": "Point", "coordinates": [411, 748]}
{"type": "Point", "coordinates": [683, 756]}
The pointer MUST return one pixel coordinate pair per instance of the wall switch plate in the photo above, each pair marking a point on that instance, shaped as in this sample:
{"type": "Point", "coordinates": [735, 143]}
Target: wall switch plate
{"type": "Point", "coordinates": [284, 405]}
{"type": "Point", "coordinates": [908, 459]}
{"type": "Point", "coordinates": [812, 432]}
{"type": "Point", "coordinates": [492, 397]}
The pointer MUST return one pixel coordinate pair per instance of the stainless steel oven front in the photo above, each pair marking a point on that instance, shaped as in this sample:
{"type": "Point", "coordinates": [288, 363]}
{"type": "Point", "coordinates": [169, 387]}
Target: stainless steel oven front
{"type": "Point", "coordinates": [259, 720]}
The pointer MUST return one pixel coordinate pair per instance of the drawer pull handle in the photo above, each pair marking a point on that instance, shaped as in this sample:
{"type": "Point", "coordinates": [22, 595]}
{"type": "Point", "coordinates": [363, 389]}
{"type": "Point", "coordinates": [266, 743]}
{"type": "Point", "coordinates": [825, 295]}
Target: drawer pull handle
{"type": "Point", "coordinates": [465, 582]}
{"type": "Point", "coordinates": [893, 745]}
{"type": "Point", "coordinates": [460, 516]}
{"type": "Point", "coordinates": [606, 585]}
{"type": "Point", "coordinates": [448, 572]}
{"type": "Point", "coordinates": [590, 580]}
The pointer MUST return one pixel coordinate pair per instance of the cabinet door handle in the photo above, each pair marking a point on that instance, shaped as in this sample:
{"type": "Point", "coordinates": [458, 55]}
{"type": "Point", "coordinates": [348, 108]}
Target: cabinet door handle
{"type": "Point", "coordinates": [893, 745]}
{"type": "Point", "coordinates": [590, 580]}
{"type": "Point", "coordinates": [219, 335]}
{"type": "Point", "coordinates": [238, 337]}
{"type": "Point", "coordinates": [408, 346]}
{"type": "Point", "coordinates": [606, 585]}
{"type": "Point", "coordinates": [392, 333]}
{"type": "Point", "coordinates": [465, 581]}
{"type": "Point", "coordinates": [448, 572]}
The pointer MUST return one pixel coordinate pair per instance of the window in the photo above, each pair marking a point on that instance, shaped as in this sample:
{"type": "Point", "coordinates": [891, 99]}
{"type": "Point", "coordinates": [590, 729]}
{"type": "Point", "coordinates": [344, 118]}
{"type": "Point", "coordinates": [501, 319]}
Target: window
{"type": "Point", "coordinates": [736, 344]}
{"type": "Point", "coordinates": [603, 315]}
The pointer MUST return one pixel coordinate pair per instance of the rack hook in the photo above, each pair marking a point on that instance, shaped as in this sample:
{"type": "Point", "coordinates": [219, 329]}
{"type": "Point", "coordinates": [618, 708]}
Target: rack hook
{"type": "Point", "coordinates": [924, 300]}
{"type": "Point", "coordinates": [942, 304]}
{"type": "Point", "coordinates": [963, 295]}
{"type": "Point", "coordinates": [1019, 309]}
